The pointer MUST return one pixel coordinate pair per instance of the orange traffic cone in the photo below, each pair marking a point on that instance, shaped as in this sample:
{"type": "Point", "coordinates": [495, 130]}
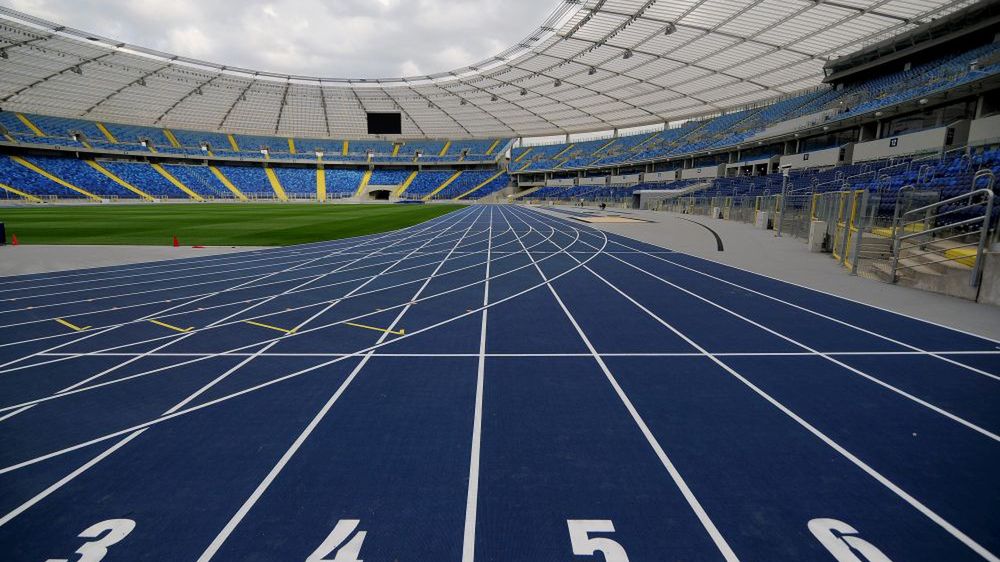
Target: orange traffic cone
{"type": "Point", "coordinates": [176, 243]}
{"type": "Point", "coordinates": [13, 240]}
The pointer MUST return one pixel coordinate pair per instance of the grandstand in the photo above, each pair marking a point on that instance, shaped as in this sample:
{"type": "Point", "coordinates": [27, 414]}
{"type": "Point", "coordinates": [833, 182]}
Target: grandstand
{"type": "Point", "coordinates": [664, 280]}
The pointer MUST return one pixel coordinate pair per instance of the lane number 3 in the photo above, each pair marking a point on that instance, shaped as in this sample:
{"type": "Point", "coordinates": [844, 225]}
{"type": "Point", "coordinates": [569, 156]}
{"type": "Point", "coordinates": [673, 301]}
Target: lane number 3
{"type": "Point", "coordinates": [586, 545]}
{"type": "Point", "coordinates": [106, 534]}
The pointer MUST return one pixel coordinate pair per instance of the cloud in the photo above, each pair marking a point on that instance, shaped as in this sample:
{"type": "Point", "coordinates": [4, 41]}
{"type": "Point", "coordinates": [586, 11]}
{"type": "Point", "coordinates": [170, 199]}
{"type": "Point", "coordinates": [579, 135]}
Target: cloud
{"type": "Point", "coordinates": [345, 38]}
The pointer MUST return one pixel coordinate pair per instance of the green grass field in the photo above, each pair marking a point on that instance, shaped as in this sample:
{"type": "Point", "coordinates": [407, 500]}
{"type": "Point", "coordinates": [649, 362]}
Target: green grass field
{"type": "Point", "coordinates": [209, 225]}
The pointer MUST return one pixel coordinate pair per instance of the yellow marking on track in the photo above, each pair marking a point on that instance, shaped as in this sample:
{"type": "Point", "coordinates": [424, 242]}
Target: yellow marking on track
{"type": "Point", "coordinates": [366, 327]}
{"type": "Point", "coordinates": [72, 326]}
{"type": "Point", "coordinates": [269, 327]}
{"type": "Point", "coordinates": [175, 328]}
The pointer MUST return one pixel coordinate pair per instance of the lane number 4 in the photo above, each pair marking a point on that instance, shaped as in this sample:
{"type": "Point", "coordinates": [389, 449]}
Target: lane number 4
{"type": "Point", "coordinates": [343, 543]}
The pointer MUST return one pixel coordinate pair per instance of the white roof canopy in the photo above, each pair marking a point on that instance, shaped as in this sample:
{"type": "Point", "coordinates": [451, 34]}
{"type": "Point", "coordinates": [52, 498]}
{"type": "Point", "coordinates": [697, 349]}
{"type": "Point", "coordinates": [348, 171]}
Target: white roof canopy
{"type": "Point", "coordinates": [592, 65]}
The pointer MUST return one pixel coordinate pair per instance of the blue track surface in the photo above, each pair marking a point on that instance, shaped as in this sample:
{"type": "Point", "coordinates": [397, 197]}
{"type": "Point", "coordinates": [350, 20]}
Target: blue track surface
{"type": "Point", "coordinates": [498, 384]}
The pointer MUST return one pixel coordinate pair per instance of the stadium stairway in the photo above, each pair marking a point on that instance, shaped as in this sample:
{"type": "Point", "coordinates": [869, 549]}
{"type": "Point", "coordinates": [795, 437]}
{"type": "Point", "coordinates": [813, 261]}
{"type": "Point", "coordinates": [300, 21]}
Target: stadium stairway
{"type": "Point", "coordinates": [27, 196]}
{"type": "Point", "coordinates": [405, 185]}
{"type": "Point", "coordinates": [480, 185]}
{"type": "Point", "coordinates": [177, 183]}
{"type": "Point", "coordinates": [272, 177]}
{"type": "Point", "coordinates": [60, 181]}
{"type": "Point", "coordinates": [441, 187]}
{"type": "Point", "coordinates": [367, 177]}
{"type": "Point", "coordinates": [104, 171]}
{"type": "Point", "coordinates": [320, 183]}
{"type": "Point", "coordinates": [229, 185]}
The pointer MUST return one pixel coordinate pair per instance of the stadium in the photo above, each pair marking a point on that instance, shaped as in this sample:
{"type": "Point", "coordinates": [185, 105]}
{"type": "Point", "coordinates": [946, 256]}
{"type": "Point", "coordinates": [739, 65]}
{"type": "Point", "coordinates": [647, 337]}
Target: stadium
{"type": "Point", "coordinates": [664, 280]}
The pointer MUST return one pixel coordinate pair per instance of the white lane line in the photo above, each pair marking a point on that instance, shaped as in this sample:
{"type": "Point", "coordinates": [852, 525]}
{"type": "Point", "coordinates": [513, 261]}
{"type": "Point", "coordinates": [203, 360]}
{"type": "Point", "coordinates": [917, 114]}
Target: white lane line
{"type": "Point", "coordinates": [814, 312]}
{"type": "Point", "coordinates": [165, 287]}
{"type": "Point", "coordinates": [307, 321]}
{"type": "Point", "coordinates": [217, 324]}
{"type": "Point", "coordinates": [825, 316]}
{"type": "Point", "coordinates": [605, 354]}
{"type": "Point", "coordinates": [208, 308]}
{"type": "Point", "coordinates": [247, 309]}
{"type": "Point", "coordinates": [231, 525]}
{"type": "Point", "coordinates": [262, 342]}
{"type": "Point", "coordinates": [65, 479]}
{"type": "Point", "coordinates": [171, 411]}
{"type": "Point", "coordinates": [472, 496]}
{"type": "Point", "coordinates": [926, 511]}
{"type": "Point", "coordinates": [675, 475]}
{"type": "Point", "coordinates": [176, 270]}
{"type": "Point", "coordinates": [915, 399]}
{"type": "Point", "coordinates": [283, 378]}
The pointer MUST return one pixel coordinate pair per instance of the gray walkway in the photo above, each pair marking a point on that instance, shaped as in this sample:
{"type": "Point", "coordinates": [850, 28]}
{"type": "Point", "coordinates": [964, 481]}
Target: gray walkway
{"type": "Point", "coordinates": [27, 259]}
{"type": "Point", "coordinates": [788, 259]}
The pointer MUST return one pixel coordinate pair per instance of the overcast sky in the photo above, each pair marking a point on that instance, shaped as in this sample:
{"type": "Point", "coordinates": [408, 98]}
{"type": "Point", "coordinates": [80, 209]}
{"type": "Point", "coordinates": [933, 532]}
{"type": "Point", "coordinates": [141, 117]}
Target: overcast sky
{"type": "Point", "coordinates": [335, 38]}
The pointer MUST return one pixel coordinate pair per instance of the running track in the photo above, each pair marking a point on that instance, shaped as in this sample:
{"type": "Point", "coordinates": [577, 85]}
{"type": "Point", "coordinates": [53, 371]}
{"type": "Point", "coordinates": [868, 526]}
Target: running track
{"type": "Point", "coordinates": [498, 384]}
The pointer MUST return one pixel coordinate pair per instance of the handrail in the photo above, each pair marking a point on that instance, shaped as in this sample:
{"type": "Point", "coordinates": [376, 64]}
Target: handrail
{"type": "Point", "coordinates": [951, 200]}
{"type": "Point", "coordinates": [985, 173]}
{"type": "Point", "coordinates": [984, 230]}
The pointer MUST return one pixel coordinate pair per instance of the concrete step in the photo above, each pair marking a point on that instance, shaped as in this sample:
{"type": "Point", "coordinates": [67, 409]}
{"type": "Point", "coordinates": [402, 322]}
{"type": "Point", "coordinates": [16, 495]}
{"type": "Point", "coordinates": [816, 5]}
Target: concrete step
{"type": "Point", "coordinates": [943, 261]}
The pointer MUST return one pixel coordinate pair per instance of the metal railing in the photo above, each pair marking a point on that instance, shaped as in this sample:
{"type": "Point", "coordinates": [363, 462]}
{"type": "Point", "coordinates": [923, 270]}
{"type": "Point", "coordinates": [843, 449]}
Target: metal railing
{"type": "Point", "coordinates": [936, 238]}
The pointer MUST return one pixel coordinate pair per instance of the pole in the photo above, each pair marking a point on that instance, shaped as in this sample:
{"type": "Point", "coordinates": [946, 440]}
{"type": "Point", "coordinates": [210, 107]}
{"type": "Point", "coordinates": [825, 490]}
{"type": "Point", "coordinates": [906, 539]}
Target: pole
{"type": "Point", "coordinates": [784, 189]}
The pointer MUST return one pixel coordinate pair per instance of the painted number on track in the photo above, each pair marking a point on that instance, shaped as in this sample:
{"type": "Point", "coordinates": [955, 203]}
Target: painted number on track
{"type": "Point", "coordinates": [342, 543]}
{"type": "Point", "coordinates": [843, 542]}
{"type": "Point", "coordinates": [107, 533]}
{"type": "Point", "coordinates": [586, 545]}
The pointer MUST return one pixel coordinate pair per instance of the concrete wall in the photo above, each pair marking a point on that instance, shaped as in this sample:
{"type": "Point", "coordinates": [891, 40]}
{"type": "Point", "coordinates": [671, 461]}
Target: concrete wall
{"type": "Point", "coordinates": [566, 182]}
{"type": "Point", "coordinates": [703, 172]}
{"type": "Point", "coordinates": [795, 124]}
{"type": "Point", "coordinates": [755, 162]}
{"type": "Point", "coordinates": [985, 130]}
{"type": "Point", "coordinates": [921, 142]}
{"type": "Point", "coordinates": [653, 177]}
{"type": "Point", "coordinates": [817, 158]}
{"type": "Point", "coordinates": [602, 180]}
{"type": "Point", "coordinates": [630, 179]}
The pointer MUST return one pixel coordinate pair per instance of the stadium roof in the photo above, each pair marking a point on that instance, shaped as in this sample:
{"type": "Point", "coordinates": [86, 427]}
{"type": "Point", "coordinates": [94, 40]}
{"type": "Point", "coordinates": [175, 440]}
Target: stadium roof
{"type": "Point", "coordinates": [592, 65]}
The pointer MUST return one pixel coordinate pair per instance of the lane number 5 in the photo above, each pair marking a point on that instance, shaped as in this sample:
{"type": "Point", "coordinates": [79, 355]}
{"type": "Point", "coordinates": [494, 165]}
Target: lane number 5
{"type": "Point", "coordinates": [843, 542]}
{"type": "Point", "coordinates": [585, 545]}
